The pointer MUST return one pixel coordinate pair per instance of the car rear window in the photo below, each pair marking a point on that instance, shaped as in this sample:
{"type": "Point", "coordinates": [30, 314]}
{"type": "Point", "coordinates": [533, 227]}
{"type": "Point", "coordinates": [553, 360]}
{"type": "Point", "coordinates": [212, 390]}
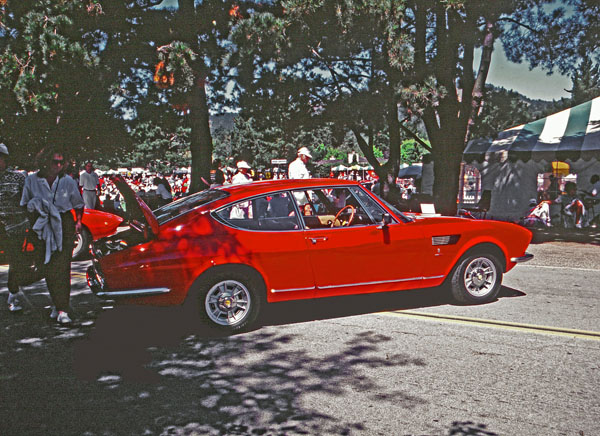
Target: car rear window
{"type": "Point", "coordinates": [273, 212]}
{"type": "Point", "coordinates": [185, 204]}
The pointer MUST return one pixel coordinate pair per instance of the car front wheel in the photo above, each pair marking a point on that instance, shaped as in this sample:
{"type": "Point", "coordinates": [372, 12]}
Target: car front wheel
{"type": "Point", "coordinates": [83, 240]}
{"type": "Point", "coordinates": [476, 279]}
{"type": "Point", "coordinates": [230, 300]}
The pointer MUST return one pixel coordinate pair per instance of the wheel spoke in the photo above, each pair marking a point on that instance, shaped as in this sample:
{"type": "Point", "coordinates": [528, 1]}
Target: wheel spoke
{"type": "Point", "coordinates": [480, 277]}
{"type": "Point", "coordinates": [228, 303]}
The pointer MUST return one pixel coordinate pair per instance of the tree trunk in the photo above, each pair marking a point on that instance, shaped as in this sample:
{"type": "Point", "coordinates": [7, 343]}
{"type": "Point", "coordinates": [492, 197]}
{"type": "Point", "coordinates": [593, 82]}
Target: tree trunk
{"type": "Point", "coordinates": [447, 156]}
{"type": "Point", "coordinates": [201, 145]}
{"type": "Point", "coordinates": [482, 73]}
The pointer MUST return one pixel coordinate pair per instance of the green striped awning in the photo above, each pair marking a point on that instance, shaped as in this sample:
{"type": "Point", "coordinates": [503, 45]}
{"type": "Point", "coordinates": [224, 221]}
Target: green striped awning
{"type": "Point", "coordinates": [567, 135]}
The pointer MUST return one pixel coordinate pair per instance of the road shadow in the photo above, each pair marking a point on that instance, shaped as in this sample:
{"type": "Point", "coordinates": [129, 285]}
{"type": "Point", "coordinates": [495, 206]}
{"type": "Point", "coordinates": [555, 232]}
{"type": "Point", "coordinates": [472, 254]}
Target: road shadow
{"type": "Point", "coordinates": [151, 370]}
{"type": "Point", "coordinates": [469, 428]}
{"type": "Point", "coordinates": [132, 374]}
{"type": "Point", "coordinates": [291, 312]}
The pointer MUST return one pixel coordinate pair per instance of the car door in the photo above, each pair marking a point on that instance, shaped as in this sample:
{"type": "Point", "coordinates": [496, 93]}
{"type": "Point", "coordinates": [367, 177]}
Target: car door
{"type": "Point", "coordinates": [350, 251]}
{"type": "Point", "coordinates": [269, 237]}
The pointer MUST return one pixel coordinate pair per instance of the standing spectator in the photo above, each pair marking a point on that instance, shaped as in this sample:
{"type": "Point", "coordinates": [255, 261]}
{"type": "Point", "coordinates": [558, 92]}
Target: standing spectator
{"type": "Point", "coordinates": [297, 169]}
{"type": "Point", "coordinates": [594, 199]}
{"type": "Point", "coordinates": [163, 191]}
{"type": "Point", "coordinates": [242, 176]}
{"type": "Point", "coordinates": [13, 223]}
{"type": "Point", "coordinates": [572, 207]}
{"type": "Point", "coordinates": [50, 196]}
{"type": "Point", "coordinates": [595, 186]}
{"type": "Point", "coordinates": [217, 176]}
{"type": "Point", "coordinates": [89, 181]}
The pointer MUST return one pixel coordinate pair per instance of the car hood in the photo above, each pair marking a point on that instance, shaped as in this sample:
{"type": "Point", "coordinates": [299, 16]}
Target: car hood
{"type": "Point", "coordinates": [136, 208]}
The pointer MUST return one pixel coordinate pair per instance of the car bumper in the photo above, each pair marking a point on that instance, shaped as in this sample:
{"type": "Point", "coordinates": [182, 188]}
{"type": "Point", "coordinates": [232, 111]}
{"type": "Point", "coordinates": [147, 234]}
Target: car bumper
{"type": "Point", "coordinates": [525, 258]}
{"type": "Point", "coordinates": [96, 282]}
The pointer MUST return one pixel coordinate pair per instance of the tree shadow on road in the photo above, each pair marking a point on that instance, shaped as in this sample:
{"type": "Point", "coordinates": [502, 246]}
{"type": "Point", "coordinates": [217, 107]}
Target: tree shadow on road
{"type": "Point", "coordinates": [150, 370]}
{"type": "Point", "coordinates": [134, 374]}
{"type": "Point", "coordinates": [352, 305]}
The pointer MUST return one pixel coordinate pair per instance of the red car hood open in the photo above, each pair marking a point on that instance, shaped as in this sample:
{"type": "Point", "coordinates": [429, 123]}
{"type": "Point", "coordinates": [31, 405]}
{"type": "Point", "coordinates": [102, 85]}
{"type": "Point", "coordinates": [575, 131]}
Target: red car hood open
{"type": "Point", "coordinates": [136, 208]}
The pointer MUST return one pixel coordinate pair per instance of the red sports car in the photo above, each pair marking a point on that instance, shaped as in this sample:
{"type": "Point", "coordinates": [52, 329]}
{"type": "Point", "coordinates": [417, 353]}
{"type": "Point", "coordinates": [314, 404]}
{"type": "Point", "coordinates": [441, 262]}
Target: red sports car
{"type": "Point", "coordinates": [96, 224]}
{"type": "Point", "coordinates": [230, 250]}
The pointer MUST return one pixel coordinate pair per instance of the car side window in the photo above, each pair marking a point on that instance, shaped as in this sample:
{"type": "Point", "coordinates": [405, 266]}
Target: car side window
{"type": "Point", "coordinates": [331, 207]}
{"type": "Point", "coordinates": [374, 209]}
{"type": "Point", "coordinates": [273, 212]}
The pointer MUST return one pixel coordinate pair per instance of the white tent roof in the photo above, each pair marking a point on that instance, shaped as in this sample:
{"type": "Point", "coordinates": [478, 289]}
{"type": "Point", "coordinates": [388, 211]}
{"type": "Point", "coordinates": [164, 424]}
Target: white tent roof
{"type": "Point", "coordinates": [571, 134]}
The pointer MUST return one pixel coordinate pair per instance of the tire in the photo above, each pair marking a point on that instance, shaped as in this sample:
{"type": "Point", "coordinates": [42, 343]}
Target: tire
{"type": "Point", "coordinates": [83, 241]}
{"type": "Point", "coordinates": [229, 300]}
{"type": "Point", "coordinates": [476, 279]}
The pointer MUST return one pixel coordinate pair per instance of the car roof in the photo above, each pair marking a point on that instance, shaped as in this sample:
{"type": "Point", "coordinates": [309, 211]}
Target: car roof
{"type": "Point", "coordinates": [265, 186]}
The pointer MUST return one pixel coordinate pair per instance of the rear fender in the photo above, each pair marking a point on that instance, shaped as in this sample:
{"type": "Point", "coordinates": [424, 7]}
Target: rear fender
{"type": "Point", "coordinates": [238, 267]}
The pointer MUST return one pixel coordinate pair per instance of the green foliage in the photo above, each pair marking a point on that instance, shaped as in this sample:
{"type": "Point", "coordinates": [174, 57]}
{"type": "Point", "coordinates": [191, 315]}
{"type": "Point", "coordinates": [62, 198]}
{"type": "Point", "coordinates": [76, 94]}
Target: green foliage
{"type": "Point", "coordinates": [53, 87]}
{"type": "Point", "coordinates": [259, 145]}
{"type": "Point", "coordinates": [553, 35]}
{"type": "Point", "coordinates": [412, 151]}
{"type": "Point", "coordinates": [501, 110]}
{"type": "Point", "coordinates": [586, 82]}
{"type": "Point", "coordinates": [157, 148]}
{"type": "Point", "coordinates": [37, 63]}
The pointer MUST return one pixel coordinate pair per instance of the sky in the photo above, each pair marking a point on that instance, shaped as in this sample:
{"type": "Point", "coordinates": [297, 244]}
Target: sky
{"type": "Point", "coordinates": [535, 84]}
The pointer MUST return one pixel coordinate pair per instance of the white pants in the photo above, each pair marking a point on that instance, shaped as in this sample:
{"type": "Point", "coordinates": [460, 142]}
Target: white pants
{"type": "Point", "coordinates": [89, 199]}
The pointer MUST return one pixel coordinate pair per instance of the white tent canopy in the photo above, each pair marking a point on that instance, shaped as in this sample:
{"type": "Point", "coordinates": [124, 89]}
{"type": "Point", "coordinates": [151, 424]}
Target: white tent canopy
{"type": "Point", "coordinates": [510, 163]}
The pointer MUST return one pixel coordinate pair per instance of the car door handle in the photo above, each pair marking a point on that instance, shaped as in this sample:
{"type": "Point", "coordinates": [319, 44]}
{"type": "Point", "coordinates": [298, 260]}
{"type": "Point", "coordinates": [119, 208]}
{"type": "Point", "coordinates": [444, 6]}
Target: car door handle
{"type": "Point", "coordinates": [316, 239]}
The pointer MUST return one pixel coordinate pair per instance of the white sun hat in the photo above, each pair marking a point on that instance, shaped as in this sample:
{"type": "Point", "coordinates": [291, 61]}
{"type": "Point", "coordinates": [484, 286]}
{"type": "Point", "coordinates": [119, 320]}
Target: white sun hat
{"type": "Point", "coordinates": [243, 164]}
{"type": "Point", "coordinates": [305, 152]}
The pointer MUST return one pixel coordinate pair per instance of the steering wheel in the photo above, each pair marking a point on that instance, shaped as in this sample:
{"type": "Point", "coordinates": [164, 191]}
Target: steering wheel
{"type": "Point", "coordinates": [337, 215]}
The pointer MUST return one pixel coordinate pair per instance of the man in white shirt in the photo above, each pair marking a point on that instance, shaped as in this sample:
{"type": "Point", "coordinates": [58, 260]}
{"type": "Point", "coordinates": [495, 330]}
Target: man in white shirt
{"type": "Point", "coordinates": [89, 182]}
{"type": "Point", "coordinates": [242, 176]}
{"type": "Point", "coordinates": [297, 169]}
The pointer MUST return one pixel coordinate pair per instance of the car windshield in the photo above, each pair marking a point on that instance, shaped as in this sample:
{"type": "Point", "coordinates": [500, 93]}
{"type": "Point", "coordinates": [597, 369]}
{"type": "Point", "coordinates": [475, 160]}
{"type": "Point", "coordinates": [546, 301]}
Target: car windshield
{"type": "Point", "coordinates": [393, 208]}
{"type": "Point", "coordinates": [185, 204]}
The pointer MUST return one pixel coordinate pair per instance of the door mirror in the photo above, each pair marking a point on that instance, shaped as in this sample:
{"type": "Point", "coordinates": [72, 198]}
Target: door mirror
{"type": "Point", "coordinates": [386, 220]}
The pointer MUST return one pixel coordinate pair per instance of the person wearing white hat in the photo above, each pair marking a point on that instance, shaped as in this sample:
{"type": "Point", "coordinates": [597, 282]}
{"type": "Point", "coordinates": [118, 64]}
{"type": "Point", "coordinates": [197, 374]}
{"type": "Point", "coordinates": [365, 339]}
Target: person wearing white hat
{"type": "Point", "coordinates": [297, 169]}
{"type": "Point", "coordinates": [242, 175]}
{"type": "Point", "coordinates": [13, 220]}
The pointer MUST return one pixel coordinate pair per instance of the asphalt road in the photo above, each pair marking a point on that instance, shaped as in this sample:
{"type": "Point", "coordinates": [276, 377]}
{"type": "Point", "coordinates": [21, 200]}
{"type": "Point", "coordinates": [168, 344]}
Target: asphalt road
{"type": "Point", "coordinates": [407, 363]}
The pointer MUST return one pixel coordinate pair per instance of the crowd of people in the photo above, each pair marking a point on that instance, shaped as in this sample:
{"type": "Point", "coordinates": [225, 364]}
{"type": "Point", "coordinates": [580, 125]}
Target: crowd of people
{"type": "Point", "coordinates": [574, 209]}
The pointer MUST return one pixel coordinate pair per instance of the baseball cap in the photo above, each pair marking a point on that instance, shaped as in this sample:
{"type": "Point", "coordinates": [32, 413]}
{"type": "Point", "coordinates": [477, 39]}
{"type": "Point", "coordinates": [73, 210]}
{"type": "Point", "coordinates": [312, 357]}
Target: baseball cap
{"type": "Point", "coordinates": [3, 149]}
{"type": "Point", "coordinates": [243, 164]}
{"type": "Point", "coordinates": [305, 152]}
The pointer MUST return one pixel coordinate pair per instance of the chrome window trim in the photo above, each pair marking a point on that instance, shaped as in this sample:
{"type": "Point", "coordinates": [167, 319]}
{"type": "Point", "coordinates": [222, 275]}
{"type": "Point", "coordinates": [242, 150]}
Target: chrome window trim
{"type": "Point", "coordinates": [302, 227]}
{"type": "Point", "coordinates": [349, 188]}
{"type": "Point", "coordinates": [213, 214]}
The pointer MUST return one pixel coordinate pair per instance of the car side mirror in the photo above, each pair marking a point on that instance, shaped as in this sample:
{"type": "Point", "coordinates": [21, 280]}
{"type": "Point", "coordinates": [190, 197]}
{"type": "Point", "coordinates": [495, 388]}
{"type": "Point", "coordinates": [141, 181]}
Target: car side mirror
{"type": "Point", "coordinates": [386, 220]}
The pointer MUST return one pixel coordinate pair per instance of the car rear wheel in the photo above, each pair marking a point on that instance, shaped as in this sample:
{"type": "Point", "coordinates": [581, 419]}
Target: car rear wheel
{"type": "Point", "coordinates": [230, 300]}
{"type": "Point", "coordinates": [476, 279]}
{"type": "Point", "coordinates": [83, 240]}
